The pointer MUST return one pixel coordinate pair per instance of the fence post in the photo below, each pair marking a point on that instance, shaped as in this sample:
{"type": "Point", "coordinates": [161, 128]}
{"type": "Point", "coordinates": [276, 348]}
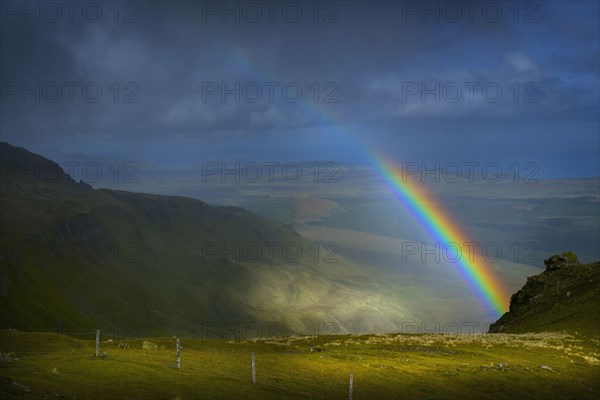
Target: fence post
{"type": "Point", "coordinates": [253, 369]}
{"type": "Point", "coordinates": [351, 382]}
{"type": "Point", "coordinates": [178, 362]}
{"type": "Point", "coordinates": [97, 343]}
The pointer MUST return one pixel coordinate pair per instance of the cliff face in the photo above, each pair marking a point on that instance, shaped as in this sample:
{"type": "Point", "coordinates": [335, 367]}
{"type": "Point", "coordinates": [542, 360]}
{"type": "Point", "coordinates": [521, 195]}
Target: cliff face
{"type": "Point", "coordinates": [565, 297]}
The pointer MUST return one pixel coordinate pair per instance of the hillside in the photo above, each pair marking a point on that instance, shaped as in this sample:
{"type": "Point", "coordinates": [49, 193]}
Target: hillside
{"type": "Point", "coordinates": [565, 297]}
{"type": "Point", "coordinates": [74, 255]}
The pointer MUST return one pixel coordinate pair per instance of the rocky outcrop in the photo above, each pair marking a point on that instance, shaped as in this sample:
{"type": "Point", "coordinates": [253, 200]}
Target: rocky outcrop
{"type": "Point", "coordinates": [556, 298]}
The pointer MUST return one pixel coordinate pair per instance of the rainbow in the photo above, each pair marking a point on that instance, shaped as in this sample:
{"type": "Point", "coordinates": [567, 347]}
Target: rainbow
{"type": "Point", "coordinates": [422, 205]}
{"type": "Point", "coordinates": [431, 215]}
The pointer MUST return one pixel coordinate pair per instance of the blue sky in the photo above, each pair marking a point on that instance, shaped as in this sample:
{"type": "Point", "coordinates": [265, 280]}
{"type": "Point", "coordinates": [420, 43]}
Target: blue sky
{"type": "Point", "coordinates": [374, 59]}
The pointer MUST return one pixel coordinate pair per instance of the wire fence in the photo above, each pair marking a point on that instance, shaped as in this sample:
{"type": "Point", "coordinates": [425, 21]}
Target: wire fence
{"type": "Point", "coordinates": [65, 334]}
{"type": "Point", "coordinates": [25, 339]}
{"type": "Point", "coordinates": [14, 343]}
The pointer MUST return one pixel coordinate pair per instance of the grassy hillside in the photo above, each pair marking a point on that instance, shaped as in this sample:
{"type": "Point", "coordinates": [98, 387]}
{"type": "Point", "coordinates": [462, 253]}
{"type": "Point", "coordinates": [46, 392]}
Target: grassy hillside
{"type": "Point", "coordinates": [532, 366]}
{"type": "Point", "coordinates": [565, 297]}
{"type": "Point", "coordinates": [75, 255]}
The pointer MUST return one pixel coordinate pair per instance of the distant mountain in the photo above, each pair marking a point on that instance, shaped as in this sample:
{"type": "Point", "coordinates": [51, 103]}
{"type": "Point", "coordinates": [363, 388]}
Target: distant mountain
{"type": "Point", "coordinates": [73, 255]}
{"type": "Point", "coordinates": [565, 297]}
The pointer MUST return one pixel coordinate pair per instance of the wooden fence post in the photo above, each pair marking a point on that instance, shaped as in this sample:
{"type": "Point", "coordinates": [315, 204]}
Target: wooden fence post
{"type": "Point", "coordinates": [253, 369]}
{"type": "Point", "coordinates": [351, 382]}
{"type": "Point", "coordinates": [178, 362]}
{"type": "Point", "coordinates": [97, 343]}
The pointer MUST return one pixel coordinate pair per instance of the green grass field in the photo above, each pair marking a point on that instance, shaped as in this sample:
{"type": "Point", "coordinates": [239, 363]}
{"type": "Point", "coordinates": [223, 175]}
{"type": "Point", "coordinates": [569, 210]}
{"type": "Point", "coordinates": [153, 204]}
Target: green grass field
{"type": "Point", "coordinates": [424, 366]}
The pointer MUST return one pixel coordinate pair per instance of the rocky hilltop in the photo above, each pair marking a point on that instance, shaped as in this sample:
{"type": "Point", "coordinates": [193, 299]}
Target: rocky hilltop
{"type": "Point", "coordinates": [565, 297]}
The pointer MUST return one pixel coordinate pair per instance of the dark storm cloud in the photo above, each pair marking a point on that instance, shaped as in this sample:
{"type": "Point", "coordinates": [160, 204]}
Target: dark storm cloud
{"type": "Point", "coordinates": [373, 52]}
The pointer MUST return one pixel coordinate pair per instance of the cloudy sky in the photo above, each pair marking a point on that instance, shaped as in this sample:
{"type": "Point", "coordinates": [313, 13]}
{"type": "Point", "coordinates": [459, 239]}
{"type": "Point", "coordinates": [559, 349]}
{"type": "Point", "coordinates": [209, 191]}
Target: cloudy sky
{"type": "Point", "coordinates": [174, 84]}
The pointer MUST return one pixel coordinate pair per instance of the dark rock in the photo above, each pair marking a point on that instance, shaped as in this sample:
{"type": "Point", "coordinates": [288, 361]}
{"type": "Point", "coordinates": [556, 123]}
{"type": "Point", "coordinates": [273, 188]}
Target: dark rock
{"type": "Point", "coordinates": [562, 261]}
